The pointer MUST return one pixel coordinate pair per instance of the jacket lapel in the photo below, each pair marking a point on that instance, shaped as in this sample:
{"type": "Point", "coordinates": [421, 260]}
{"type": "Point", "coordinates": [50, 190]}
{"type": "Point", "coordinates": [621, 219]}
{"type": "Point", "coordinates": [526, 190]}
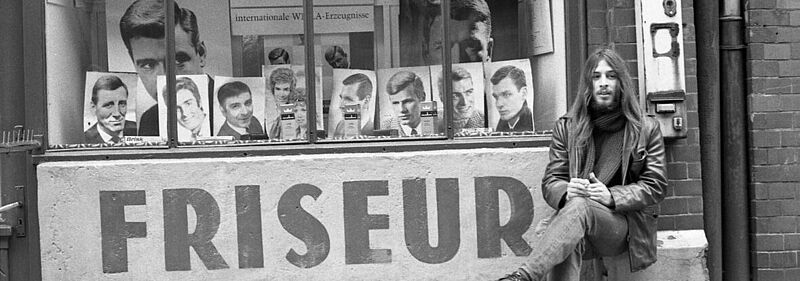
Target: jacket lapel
{"type": "Point", "coordinates": [627, 149]}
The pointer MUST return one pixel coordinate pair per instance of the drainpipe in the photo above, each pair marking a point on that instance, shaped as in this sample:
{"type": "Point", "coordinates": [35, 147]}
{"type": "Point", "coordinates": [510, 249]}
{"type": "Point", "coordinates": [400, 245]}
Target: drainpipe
{"type": "Point", "coordinates": [706, 22]}
{"type": "Point", "coordinates": [735, 175]}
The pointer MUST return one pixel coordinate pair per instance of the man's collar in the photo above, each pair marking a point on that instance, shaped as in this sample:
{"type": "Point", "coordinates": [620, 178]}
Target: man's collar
{"type": "Point", "coordinates": [407, 129]}
{"type": "Point", "coordinates": [105, 136]}
{"type": "Point", "coordinates": [240, 131]}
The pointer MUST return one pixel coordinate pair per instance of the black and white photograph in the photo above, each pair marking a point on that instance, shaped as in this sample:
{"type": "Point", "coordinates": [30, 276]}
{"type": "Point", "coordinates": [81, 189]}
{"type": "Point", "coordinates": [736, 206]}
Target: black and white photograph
{"type": "Point", "coordinates": [239, 105]}
{"type": "Point", "coordinates": [467, 92]}
{"type": "Point", "coordinates": [352, 87]}
{"type": "Point", "coordinates": [136, 44]}
{"type": "Point", "coordinates": [401, 90]}
{"type": "Point", "coordinates": [509, 95]}
{"type": "Point", "coordinates": [191, 100]}
{"type": "Point", "coordinates": [109, 107]}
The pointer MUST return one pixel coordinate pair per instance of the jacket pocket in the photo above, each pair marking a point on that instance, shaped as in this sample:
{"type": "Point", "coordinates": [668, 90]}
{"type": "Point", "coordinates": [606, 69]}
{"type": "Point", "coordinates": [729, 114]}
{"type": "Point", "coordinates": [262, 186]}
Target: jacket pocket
{"type": "Point", "coordinates": [638, 160]}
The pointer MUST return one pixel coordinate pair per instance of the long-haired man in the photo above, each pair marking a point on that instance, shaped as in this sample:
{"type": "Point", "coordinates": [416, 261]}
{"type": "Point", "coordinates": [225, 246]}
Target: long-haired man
{"type": "Point", "coordinates": [606, 173]}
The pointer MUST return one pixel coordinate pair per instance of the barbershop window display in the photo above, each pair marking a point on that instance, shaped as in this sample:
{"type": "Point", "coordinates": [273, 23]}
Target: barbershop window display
{"type": "Point", "coordinates": [392, 94]}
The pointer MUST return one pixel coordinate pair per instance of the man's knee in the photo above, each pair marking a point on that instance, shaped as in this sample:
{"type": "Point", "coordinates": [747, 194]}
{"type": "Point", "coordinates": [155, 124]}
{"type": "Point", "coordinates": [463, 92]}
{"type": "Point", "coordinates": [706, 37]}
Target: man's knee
{"type": "Point", "coordinates": [578, 203]}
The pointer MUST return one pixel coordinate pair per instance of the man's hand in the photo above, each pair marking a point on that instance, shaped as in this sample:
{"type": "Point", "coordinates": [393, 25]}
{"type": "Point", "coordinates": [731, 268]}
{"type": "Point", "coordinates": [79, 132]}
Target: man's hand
{"type": "Point", "coordinates": [577, 188]}
{"type": "Point", "coordinates": [598, 191]}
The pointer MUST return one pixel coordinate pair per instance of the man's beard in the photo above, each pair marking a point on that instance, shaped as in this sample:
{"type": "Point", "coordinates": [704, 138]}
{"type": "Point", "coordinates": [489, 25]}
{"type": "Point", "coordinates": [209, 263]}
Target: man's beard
{"type": "Point", "coordinates": [605, 108]}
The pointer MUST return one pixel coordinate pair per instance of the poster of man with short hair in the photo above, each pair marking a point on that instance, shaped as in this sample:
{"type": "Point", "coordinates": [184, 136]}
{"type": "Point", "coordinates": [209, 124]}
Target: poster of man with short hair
{"type": "Point", "coordinates": [192, 107]}
{"type": "Point", "coordinates": [466, 92]}
{"type": "Point", "coordinates": [401, 92]}
{"type": "Point", "coordinates": [352, 87]}
{"type": "Point", "coordinates": [109, 107]}
{"type": "Point", "coordinates": [136, 43]}
{"type": "Point", "coordinates": [509, 95]}
{"type": "Point", "coordinates": [238, 106]}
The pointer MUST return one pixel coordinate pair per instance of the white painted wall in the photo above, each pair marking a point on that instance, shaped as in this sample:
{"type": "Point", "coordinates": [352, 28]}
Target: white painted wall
{"type": "Point", "coordinates": [550, 72]}
{"type": "Point", "coordinates": [69, 212]}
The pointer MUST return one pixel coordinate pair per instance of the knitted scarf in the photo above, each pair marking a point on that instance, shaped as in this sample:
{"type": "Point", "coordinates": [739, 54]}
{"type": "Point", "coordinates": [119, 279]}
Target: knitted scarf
{"type": "Point", "coordinates": [604, 148]}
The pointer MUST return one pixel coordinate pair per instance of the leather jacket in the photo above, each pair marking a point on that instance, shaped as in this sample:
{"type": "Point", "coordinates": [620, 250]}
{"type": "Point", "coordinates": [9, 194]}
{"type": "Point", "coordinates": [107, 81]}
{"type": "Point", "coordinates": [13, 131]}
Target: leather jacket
{"type": "Point", "coordinates": [644, 183]}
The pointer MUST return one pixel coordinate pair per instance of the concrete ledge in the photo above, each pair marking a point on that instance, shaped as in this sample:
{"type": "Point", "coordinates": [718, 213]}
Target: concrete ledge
{"type": "Point", "coordinates": [681, 256]}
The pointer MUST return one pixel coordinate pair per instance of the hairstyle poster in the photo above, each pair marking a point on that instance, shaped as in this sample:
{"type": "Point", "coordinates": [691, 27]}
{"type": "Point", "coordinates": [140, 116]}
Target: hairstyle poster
{"type": "Point", "coordinates": [211, 54]}
{"type": "Point", "coordinates": [467, 94]}
{"type": "Point", "coordinates": [352, 87]}
{"type": "Point", "coordinates": [191, 93]}
{"type": "Point", "coordinates": [509, 95]}
{"type": "Point", "coordinates": [109, 103]}
{"type": "Point", "coordinates": [286, 84]}
{"type": "Point", "coordinates": [400, 92]}
{"type": "Point", "coordinates": [239, 106]}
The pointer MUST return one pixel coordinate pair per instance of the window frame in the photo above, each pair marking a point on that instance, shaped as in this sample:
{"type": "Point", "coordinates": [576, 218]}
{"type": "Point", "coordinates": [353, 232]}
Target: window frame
{"type": "Point", "coordinates": [35, 74]}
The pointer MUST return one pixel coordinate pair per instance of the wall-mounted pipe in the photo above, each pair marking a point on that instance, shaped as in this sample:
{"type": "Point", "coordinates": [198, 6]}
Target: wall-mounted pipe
{"type": "Point", "coordinates": [735, 171]}
{"type": "Point", "coordinates": [707, 33]}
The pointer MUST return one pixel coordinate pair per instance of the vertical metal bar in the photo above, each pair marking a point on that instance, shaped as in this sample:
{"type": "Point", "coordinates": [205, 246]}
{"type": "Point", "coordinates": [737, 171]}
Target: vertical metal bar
{"type": "Point", "coordinates": [311, 75]}
{"type": "Point", "coordinates": [31, 216]}
{"type": "Point", "coordinates": [576, 49]}
{"type": "Point", "coordinates": [735, 171]}
{"type": "Point", "coordinates": [169, 63]}
{"type": "Point", "coordinates": [447, 68]}
{"type": "Point", "coordinates": [33, 24]}
{"type": "Point", "coordinates": [708, 70]}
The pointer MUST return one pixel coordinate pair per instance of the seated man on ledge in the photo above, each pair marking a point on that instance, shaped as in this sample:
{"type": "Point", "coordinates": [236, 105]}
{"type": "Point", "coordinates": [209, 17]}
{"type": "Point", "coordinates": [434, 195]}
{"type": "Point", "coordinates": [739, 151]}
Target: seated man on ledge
{"type": "Point", "coordinates": [605, 175]}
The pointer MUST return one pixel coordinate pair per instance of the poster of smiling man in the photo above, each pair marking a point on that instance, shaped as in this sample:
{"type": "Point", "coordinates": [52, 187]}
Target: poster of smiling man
{"type": "Point", "coordinates": [467, 92]}
{"type": "Point", "coordinates": [109, 107]}
{"type": "Point", "coordinates": [191, 93]}
{"type": "Point", "coordinates": [509, 95]}
{"type": "Point", "coordinates": [238, 106]}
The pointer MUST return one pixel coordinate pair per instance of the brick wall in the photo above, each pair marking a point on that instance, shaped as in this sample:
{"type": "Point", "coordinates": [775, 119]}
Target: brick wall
{"type": "Point", "coordinates": [773, 31]}
{"type": "Point", "coordinates": [613, 23]}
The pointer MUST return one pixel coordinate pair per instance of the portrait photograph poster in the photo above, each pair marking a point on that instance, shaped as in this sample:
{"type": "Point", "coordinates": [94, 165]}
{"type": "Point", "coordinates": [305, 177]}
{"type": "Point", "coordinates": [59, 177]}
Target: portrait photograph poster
{"type": "Point", "coordinates": [213, 22]}
{"type": "Point", "coordinates": [335, 115]}
{"type": "Point", "coordinates": [271, 114]}
{"type": "Point", "coordinates": [299, 73]}
{"type": "Point", "coordinates": [130, 81]}
{"type": "Point", "coordinates": [257, 94]}
{"type": "Point", "coordinates": [387, 116]}
{"type": "Point", "coordinates": [475, 70]}
{"type": "Point", "coordinates": [189, 113]}
{"type": "Point", "coordinates": [491, 101]}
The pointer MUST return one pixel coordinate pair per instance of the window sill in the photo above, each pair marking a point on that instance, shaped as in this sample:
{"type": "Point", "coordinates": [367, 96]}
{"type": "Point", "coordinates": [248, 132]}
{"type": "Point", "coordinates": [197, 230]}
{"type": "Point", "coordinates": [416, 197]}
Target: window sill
{"type": "Point", "coordinates": [384, 145]}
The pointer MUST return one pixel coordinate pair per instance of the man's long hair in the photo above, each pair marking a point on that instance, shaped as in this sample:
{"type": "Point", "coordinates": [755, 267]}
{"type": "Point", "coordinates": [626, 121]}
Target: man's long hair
{"type": "Point", "coordinates": [581, 126]}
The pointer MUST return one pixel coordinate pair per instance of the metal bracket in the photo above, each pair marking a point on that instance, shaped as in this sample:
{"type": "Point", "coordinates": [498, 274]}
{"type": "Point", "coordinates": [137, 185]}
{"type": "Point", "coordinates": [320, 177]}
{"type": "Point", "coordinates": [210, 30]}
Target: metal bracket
{"type": "Point", "coordinates": [21, 224]}
{"type": "Point", "coordinates": [674, 29]}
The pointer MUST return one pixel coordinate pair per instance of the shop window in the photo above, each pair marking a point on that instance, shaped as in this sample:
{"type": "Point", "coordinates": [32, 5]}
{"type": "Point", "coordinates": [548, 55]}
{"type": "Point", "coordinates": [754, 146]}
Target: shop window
{"type": "Point", "coordinates": [246, 72]}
